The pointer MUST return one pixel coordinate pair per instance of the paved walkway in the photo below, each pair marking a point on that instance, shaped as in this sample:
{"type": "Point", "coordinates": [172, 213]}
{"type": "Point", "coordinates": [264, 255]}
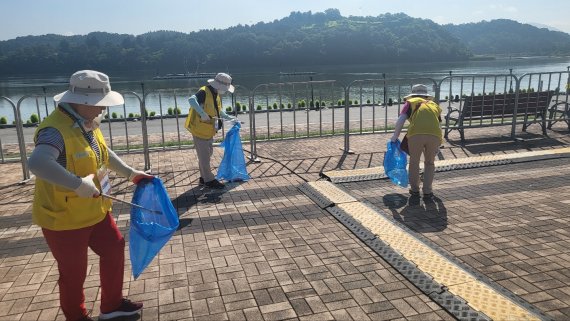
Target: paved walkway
{"type": "Point", "coordinates": [263, 250]}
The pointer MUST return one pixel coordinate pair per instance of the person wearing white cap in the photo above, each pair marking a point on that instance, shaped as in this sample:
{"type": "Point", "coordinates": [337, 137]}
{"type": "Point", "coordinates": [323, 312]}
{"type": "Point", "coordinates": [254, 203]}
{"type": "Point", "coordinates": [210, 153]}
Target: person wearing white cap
{"type": "Point", "coordinates": [70, 161]}
{"type": "Point", "coordinates": [204, 120]}
{"type": "Point", "coordinates": [424, 136]}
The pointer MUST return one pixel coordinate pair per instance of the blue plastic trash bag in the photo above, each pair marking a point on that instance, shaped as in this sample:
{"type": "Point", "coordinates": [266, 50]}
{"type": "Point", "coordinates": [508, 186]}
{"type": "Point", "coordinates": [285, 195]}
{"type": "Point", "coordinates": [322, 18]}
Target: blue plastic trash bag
{"type": "Point", "coordinates": [232, 168]}
{"type": "Point", "coordinates": [395, 162]}
{"type": "Point", "coordinates": [149, 231]}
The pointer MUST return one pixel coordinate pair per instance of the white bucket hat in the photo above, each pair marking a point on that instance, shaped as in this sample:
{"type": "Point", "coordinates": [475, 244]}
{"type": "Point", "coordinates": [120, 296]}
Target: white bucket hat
{"type": "Point", "coordinates": [89, 87]}
{"type": "Point", "coordinates": [419, 90]}
{"type": "Point", "coordinates": [222, 81]}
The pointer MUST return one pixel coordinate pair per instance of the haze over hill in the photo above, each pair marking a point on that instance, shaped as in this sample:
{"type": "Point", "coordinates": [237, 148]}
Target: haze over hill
{"type": "Point", "coordinates": [299, 39]}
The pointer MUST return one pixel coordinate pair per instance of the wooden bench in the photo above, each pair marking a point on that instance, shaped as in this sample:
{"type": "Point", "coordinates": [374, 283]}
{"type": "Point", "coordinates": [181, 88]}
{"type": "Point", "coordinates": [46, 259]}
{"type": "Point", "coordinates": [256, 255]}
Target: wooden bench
{"type": "Point", "coordinates": [497, 110]}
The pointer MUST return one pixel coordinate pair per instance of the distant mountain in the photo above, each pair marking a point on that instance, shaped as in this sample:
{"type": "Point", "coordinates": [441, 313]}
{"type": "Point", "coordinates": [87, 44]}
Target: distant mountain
{"type": "Point", "coordinates": [299, 39]}
{"type": "Point", "coordinates": [543, 26]}
{"type": "Point", "coordinates": [509, 37]}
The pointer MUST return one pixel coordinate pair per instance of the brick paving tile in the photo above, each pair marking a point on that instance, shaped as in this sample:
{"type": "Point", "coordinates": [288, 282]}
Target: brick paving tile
{"type": "Point", "coordinates": [263, 250]}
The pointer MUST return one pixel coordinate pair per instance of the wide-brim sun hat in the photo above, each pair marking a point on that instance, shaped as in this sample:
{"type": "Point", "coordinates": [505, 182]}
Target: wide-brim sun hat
{"type": "Point", "coordinates": [419, 90]}
{"type": "Point", "coordinates": [89, 87]}
{"type": "Point", "coordinates": [222, 81]}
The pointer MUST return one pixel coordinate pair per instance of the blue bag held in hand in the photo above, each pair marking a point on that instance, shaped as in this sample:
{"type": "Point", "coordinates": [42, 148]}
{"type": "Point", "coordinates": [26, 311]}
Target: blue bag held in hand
{"type": "Point", "coordinates": [232, 168]}
{"type": "Point", "coordinates": [395, 162]}
{"type": "Point", "coordinates": [150, 230]}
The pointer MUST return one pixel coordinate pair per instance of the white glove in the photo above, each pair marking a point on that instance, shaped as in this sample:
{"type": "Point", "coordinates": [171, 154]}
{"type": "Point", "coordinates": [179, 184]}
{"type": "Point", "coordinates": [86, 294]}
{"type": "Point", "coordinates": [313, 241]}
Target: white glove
{"type": "Point", "coordinates": [235, 120]}
{"type": "Point", "coordinates": [205, 118]}
{"type": "Point", "coordinates": [87, 187]}
{"type": "Point", "coordinates": [394, 138]}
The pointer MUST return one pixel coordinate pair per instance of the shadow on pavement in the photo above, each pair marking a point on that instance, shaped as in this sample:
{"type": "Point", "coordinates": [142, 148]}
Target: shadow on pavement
{"type": "Point", "coordinates": [420, 215]}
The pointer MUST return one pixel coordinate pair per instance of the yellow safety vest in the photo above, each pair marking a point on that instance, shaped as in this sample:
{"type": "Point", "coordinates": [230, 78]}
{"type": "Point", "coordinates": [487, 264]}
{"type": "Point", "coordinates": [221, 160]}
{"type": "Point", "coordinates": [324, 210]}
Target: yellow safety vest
{"type": "Point", "coordinates": [197, 127]}
{"type": "Point", "coordinates": [58, 208]}
{"type": "Point", "coordinates": [424, 118]}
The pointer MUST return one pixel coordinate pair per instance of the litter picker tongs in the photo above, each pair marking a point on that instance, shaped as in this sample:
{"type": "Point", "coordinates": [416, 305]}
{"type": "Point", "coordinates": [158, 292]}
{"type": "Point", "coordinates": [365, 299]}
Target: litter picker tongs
{"type": "Point", "coordinates": [131, 204]}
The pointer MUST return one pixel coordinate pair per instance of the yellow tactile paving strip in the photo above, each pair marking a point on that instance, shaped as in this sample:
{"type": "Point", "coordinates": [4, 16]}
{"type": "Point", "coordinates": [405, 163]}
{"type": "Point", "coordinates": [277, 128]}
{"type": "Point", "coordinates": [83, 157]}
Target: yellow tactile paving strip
{"type": "Point", "coordinates": [480, 296]}
{"type": "Point", "coordinates": [330, 191]}
{"type": "Point", "coordinates": [355, 172]}
{"type": "Point", "coordinates": [469, 162]}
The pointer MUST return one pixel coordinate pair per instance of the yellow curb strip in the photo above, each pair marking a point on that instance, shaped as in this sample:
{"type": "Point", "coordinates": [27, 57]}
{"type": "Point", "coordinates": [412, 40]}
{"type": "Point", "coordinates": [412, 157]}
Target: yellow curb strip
{"type": "Point", "coordinates": [449, 164]}
{"type": "Point", "coordinates": [480, 296]}
{"type": "Point", "coordinates": [331, 192]}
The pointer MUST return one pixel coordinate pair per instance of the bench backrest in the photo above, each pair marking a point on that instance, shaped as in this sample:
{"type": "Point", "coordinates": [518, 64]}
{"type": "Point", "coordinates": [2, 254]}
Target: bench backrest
{"type": "Point", "coordinates": [531, 103]}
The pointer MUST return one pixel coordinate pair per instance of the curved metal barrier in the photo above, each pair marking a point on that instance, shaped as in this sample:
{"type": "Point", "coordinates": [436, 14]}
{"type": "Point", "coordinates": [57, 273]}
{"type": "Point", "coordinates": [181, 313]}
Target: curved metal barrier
{"type": "Point", "coordinates": [369, 96]}
{"type": "Point", "coordinates": [23, 144]}
{"type": "Point", "coordinates": [297, 110]}
{"type": "Point", "coordinates": [552, 86]}
{"type": "Point", "coordinates": [293, 110]}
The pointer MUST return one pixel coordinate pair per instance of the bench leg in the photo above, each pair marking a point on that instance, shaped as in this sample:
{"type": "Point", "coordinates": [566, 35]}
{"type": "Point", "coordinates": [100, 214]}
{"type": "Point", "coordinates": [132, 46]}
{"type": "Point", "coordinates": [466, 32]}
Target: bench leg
{"type": "Point", "coordinates": [543, 124]}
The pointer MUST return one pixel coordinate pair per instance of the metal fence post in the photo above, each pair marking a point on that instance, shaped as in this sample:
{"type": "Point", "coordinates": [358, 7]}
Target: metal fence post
{"type": "Point", "coordinates": [21, 139]}
{"type": "Point", "coordinates": [346, 123]}
{"type": "Point", "coordinates": [252, 134]}
{"type": "Point", "coordinates": [146, 151]}
{"type": "Point", "coordinates": [517, 93]}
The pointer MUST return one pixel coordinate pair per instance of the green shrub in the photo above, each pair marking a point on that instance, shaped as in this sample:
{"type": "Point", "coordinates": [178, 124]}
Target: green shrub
{"type": "Point", "coordinates": [131, 115]}
{"type": "Point", "coordinates": [3, 120]}
{"type": "Point", "coordinates": [114, 115]}
{"type": "Point", "coordinates": [229, 109]}
{"type": "Point", "coordinates": [318, 104]}
{"type": "Point", "coordinates": [289, 105]}
{"type": "Point", "coordinates": [390, 102]}
{"type": "Point", "coordinates": [323, 104]}
{"type": "Point", "coordinates": [456, 99]}
{"type": "Point", "coordinates": [340, 102]}
{"type": "Point", "coordinates": [356, 101]}
{"type": "Point", "coordinates": [258, 107]}
{"type": "Point", "coordinates": [282, 106]}
{"type": "Point", "coordinates": [152, 114]}
{"type": "Point", "coordinates": [170, 111]}
{"type": "Point", "coordinates": [311, 104]}
{"type": "Point", "coordinates": [34, 119]}
{"type": "Point", "coordinates": [275, 106]}
{"type": "Point", "coordinates": [368, 101]}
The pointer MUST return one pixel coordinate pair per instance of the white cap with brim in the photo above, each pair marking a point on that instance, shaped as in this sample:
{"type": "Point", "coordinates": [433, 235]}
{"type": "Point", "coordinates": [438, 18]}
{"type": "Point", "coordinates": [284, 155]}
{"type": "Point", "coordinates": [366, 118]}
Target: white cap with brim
{"type": "Point", "coordinates": [89, 87]}
{"type": "Point", "coordinates": [419, 90]}
{"type": "Point", "coordinates": [222, 81]}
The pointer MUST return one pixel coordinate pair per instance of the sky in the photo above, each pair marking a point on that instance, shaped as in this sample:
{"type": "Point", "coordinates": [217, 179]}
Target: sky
{"type": "Point", "coordinates": [135, 17]}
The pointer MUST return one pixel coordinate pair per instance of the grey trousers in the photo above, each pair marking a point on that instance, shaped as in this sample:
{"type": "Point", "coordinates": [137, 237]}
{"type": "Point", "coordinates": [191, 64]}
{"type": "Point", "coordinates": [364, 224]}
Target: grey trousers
{"type": "Point", "coordinates": [428, 145]}
{"type": "Point", "coordinates": [204, 149]}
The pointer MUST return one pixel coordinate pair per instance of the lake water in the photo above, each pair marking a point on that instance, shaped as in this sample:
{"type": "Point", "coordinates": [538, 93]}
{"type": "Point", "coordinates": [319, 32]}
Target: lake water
{"type": "Point", "coordinates": [16, 87]}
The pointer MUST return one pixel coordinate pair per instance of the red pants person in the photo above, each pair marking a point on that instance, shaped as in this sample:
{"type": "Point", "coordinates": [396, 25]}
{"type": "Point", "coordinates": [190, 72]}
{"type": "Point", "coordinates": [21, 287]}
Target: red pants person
{"type": "Point", "coordinates": [70, 251]}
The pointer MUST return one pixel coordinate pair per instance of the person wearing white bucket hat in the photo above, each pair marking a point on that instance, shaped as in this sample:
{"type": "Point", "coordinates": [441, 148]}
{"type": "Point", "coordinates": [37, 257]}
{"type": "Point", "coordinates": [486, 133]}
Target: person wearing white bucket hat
{"type": "Point", "coordinates": [70, 162]}
{"type": "Point", "coordinates": [204, 120]}
{"type": "Point", "coordinates": [423, 136]}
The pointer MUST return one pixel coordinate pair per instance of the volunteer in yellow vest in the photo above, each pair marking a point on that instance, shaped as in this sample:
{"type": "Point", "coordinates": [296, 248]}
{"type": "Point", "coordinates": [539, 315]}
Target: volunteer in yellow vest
{"type": "Point", "coordinates": [70, 162]}
{"type": "Point", "coordinates": [204, 120]}
{"type": "Point", "coordinates": [424, 136]}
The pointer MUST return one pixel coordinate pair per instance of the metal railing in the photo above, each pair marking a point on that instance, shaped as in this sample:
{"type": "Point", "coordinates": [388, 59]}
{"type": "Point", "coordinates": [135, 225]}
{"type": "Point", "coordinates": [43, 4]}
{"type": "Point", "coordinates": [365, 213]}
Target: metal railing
{"type": "Point", "coordinates": [298, 110]}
